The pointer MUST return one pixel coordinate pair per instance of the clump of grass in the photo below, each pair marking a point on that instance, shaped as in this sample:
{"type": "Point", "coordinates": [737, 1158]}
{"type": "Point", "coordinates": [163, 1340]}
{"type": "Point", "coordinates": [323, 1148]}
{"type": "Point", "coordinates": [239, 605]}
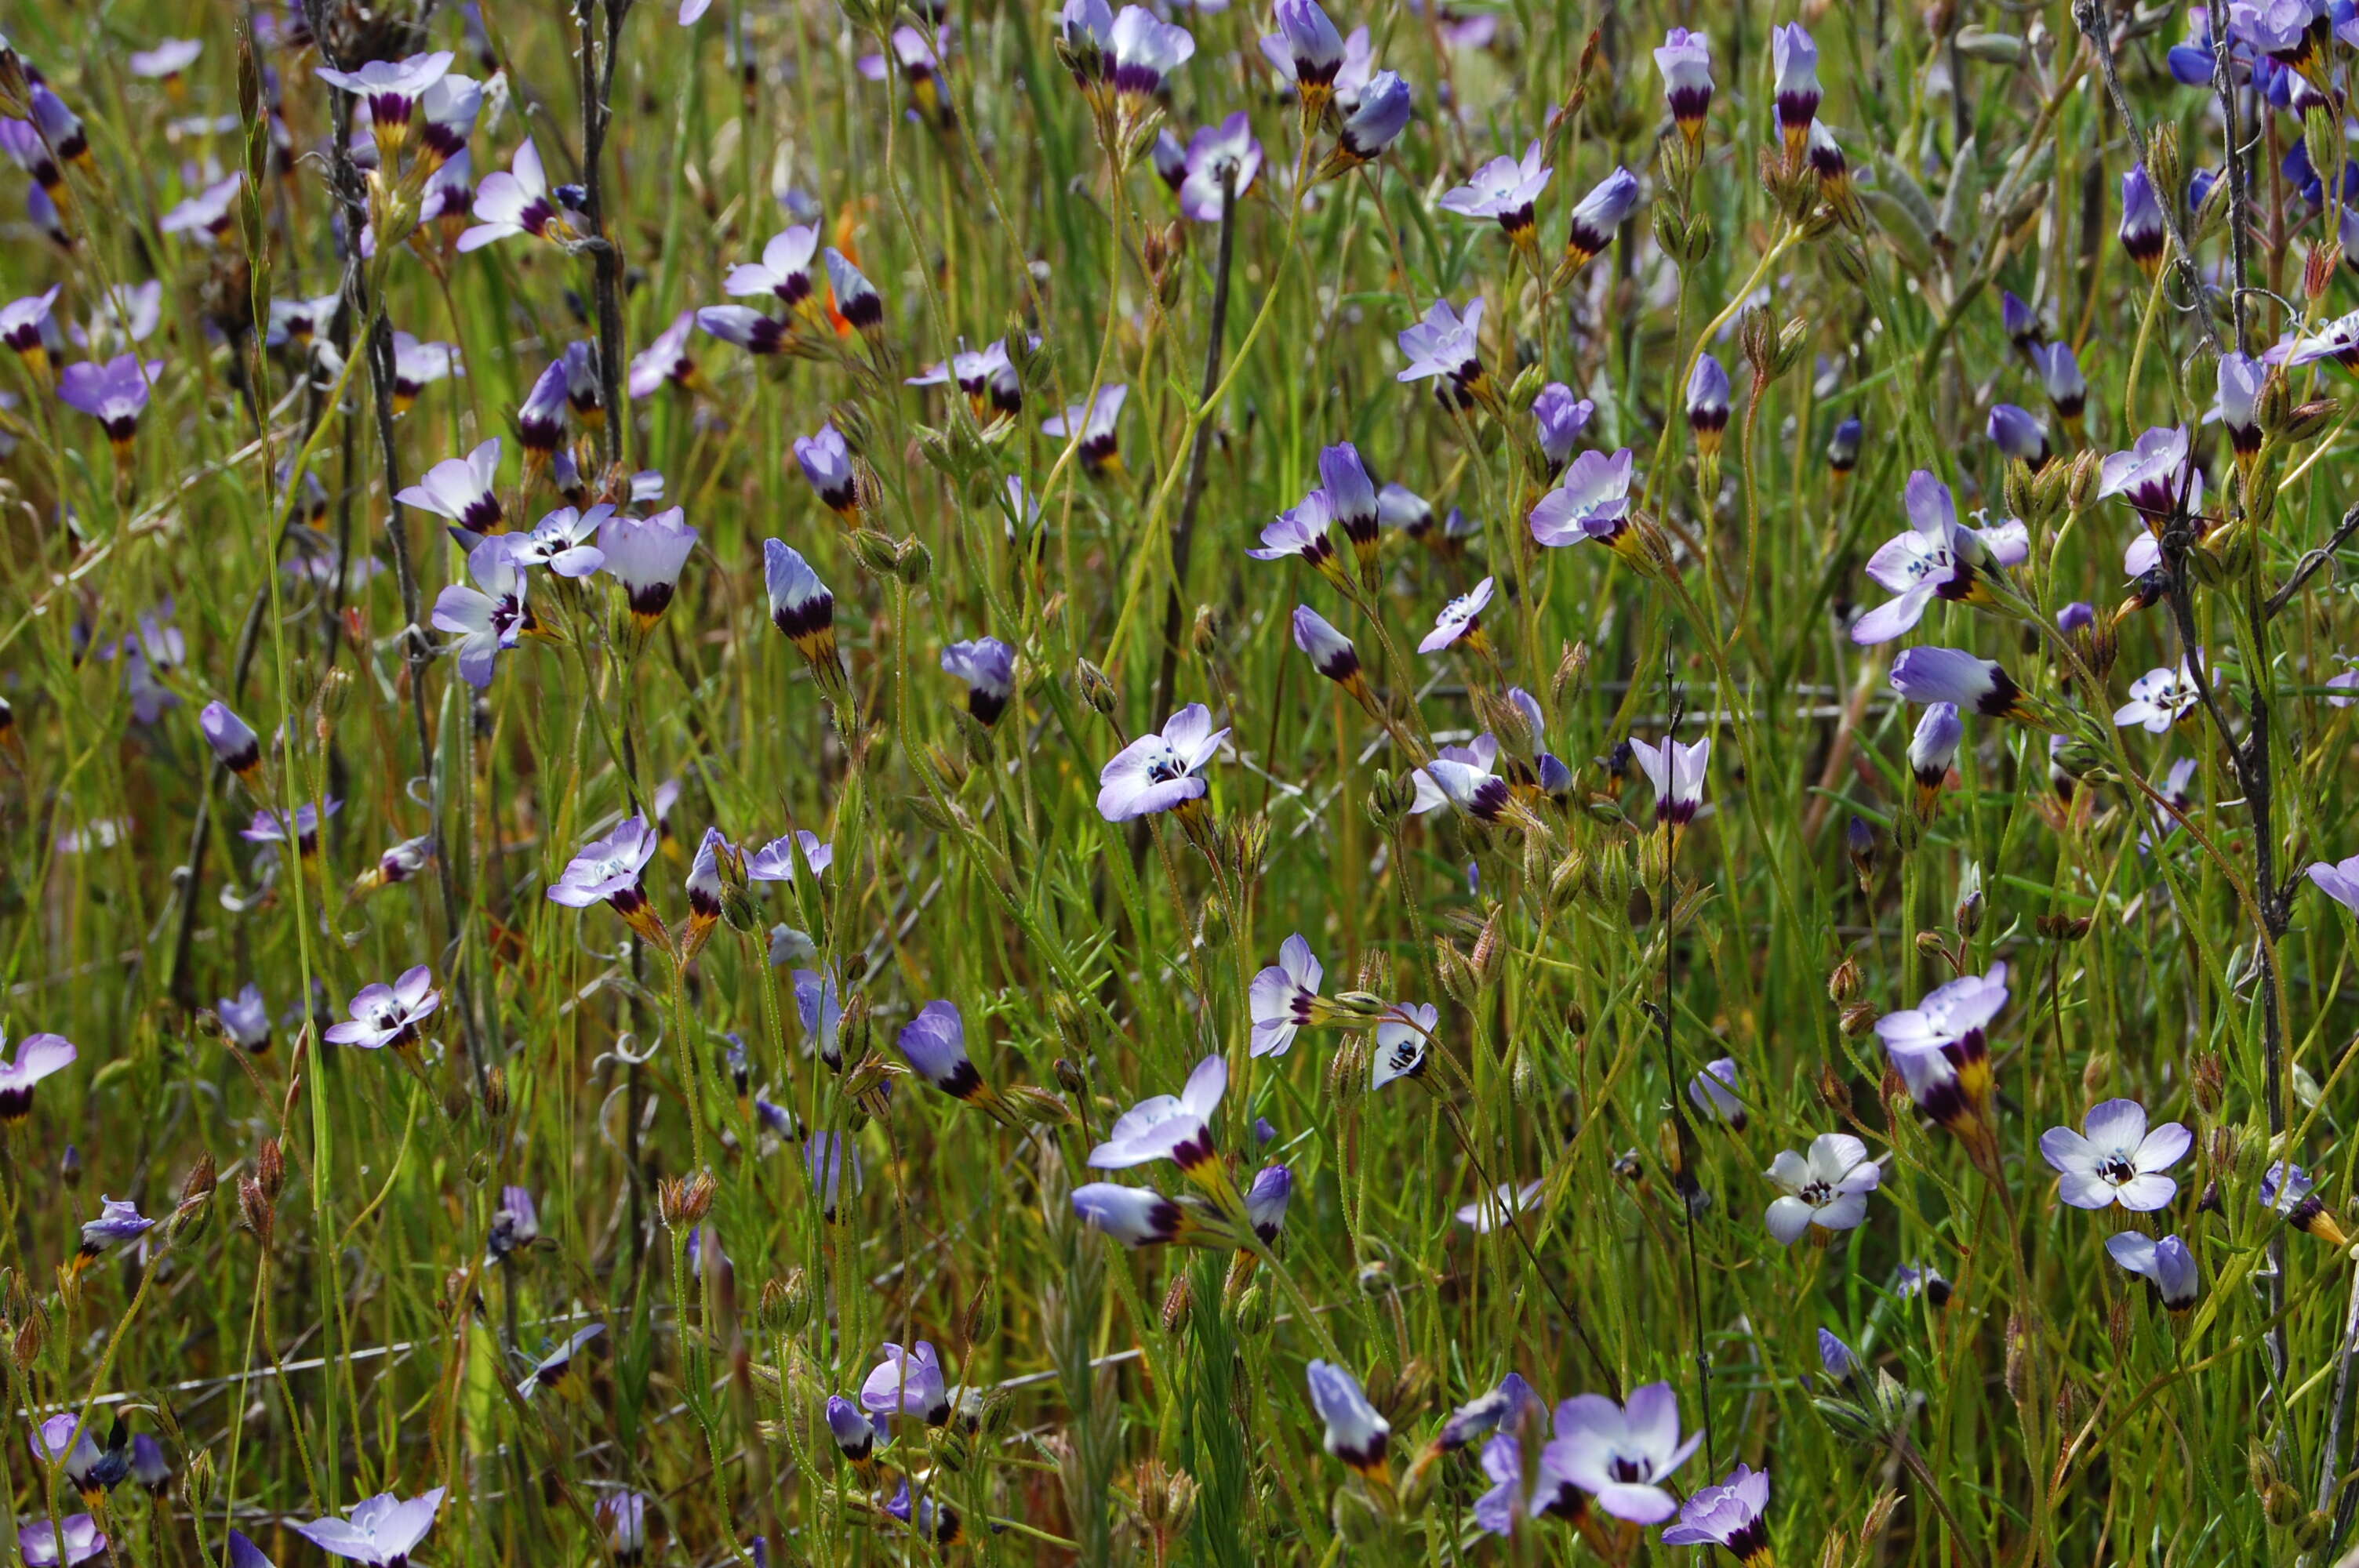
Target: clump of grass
{"type": "Point", "coordinates": [1217, 786]}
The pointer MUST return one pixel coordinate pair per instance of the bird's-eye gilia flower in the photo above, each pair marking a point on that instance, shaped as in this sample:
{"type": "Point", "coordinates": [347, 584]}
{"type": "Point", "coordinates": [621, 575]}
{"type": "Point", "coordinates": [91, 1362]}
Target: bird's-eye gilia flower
{"type": "Point", "coordinates": [241, 1554]}
{"type": "Point", "coordinates": [1284, 997]}
{"type": "Point", "coordinates": [2167, 1266]}
{"type": "Point", "coordinates": [37, 1542]}
{"type": "Point", "coordinates": [1938, 557]}
{"type": "Point", "coordinates": [518, 200]}
{"type": "Point", "coordinates": [2241, 378]}
{"type": "Point", "coordinates": [2115, 1159]}
{"type": "Point", "coordinates": [2019, 436]}
{"type": "Point", "coordinates": [1592, 502]}
{"type": "Point", "coordinates": [1331, 653]}
{"type": "Point", "coordinates": [1373, 124]}
{"type": "Point", "coordinates": [929, 1518]}
{"type": "Point", "coordinates": [1713, 1092]}
{"type": "Point", "coordinates": [987, 667]}
{"type": "Point", "coordinates": [1842, 451]}
{"type": "Point", "coordinates": [1459, 622]}
{"type": "Point", "coordinates": [119, 1223]}
{"type": "Point", "coordinates": [934, 1043]}
{"type": "Point", "coordinates": [1595, 217]}
{"type": "Point", "coordinates": [388, 1015]}
{"type": "Point", "coordinates": [749, 330]}
{"type": "Point", "coordinates": [1351, 498]}
{"type": "Point", "coordinates": [1302, 531]}
{"type": "Point", "coordinates": [2061, 378]}
{"type": "Point", "coordinates": [2142, 232]}
{"type": "Point", "coordinates": [1145, 50]}
{"type": "Point", "coordinates": [1355, 1434]}
{"type": "Point", "coordinates": [664, 361]}
{"type": "Point", "coordinates": [775, 861]}
{"type": "Point", "coordinates": [445, 118]}
{"type": "Point", "coordinates": [1307, 50]}
{"type": "Point", "coordinates": [1941, 1049]}
{"type": "Point", "coordinates": [561, 542]}
{"type": "Point", "coordinates": [1707, 400]}
{"type": "Point", "coordinates": [2337, 340]}
{"type": "Point", "coordinates": [2162, 696]}
{"type": "Point", "coordinates": [1953, 675]}
{"type": "Point", "coordinates": [418, 365]}
{"type": "Point", "coordinates": [610, 871]}
{"type": "Point", "coordinates": [381, 1533]}
{"type": "Point", "coordinates": [1495, 1208]}
{"type": "Point", "coordinates": [1558, 420]}
{"type": "Point", "coordinates": [1513, 1406]}
{"type": "Point", "coordinates": [1506, 190]}
{"type": "Point", "coordinates": [167, 59]}
{"type": "Point", "coordinates": [584, 392]}
{"type": "Point", "coordinates": [855, 1434]}
{"type": "Point", "coordinates": [908, 1382]}
{"type": "Point", "coordinates": [645, 555]}
{"type": "Point", "coordinates": [1100, 446]}
{"type": "Point", "coordinates": [516, 1224]}
{"type": "Point", "coordinates": [63, 1442]}
{"type": "Point", "coordinates": [464, 490]}
{"type": "Point", "coordinates": [1620, 1454]}
{"type": "Point", "coordinates": [2153, 475]}
{"type": "Point", "coordinates": [1402, 1046]}
{"type": "Point", "coordinates": [1161, 771]}
{"type": "Point", "coordinates": [818, 1003]}
{"type": "Point", "coordinates": [1226, 153]}
{"type": "Point", "coordinates": [1677, 771]}
{"type": "Point", "coordinates": [856, 300]}
{"type": "Point", "coordinates": [1085, 43]}
{"type": "Point", "coordinates": [540, 423]}
{"type": "Point", "coordinates": [1827, 1190]}
{"type": "Point", "coordinates": [270, 826]}
{"type": "Point", "coordinates": [231, 741]}
{"type": "Point", "coordinates": [488, 617]}
{"type": "Point", "coordinates": [206, 216]}
{"type": "Point", "coordinates": [833, 473]}
{"type": "Point", "coordinates": [1447, 344]}
{"type": "Point", "coordinates": [1465, 777]}
{"type": "Point", "coordinates": [1796, 58]}
{"type": "Point", "coordinates": [1266, 1201]}
{"type": "Point", "coordinates": [148, 1465]}
{"type": "Point", "coordinates": [113, 393]}
{"type": "Point", "coordinates": [246, 1018]}
{"type": "Point", "coordinates": [1728, 1516]}
{"type": "Point", "coordinates": [1931, 751]}
{"type": "Point", "coordinates": [2288, 1189]}
{"type": "Point", "coordinates": [1135, 1216]}
{"type": "Point", "coordinates": [1684, 58]}
{"type": "Point", "coordinates": [803, 608]}
{"type": "Point", "coordinates": [994, 387]}
{"type": "Point", "coordinates": [624, 1514]}
{"type": "Point", "coordinates": [2020, 322]}
{"type": "Point", "coordinates": [391, 89]}
{"type": "Point", "coordinates": [551, 1371]}
{"type": "Point", "coordinates": [2337, 880]}
{"type": "Point", "coordinates": [29, 327]}
{"type": "Point", "coordinates": [1171, 1126]}
{"type": "Point", "coordinates": [1825, 157]}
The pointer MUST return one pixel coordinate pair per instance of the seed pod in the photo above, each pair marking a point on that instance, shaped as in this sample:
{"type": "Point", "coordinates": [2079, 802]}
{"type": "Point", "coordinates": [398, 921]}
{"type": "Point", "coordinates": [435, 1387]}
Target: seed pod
{"type": "Point", "coordinates": [1845, 984]}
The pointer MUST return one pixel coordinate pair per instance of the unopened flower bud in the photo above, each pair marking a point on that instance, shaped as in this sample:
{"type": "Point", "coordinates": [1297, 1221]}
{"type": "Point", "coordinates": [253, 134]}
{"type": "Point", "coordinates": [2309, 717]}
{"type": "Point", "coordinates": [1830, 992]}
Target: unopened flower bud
{"type": "Point", "coordinates": [684, 1201]}
{"type": "Point", "coordinates": [2311, 418]}
{"type": "Point", "coordinates": [1096, 688]}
